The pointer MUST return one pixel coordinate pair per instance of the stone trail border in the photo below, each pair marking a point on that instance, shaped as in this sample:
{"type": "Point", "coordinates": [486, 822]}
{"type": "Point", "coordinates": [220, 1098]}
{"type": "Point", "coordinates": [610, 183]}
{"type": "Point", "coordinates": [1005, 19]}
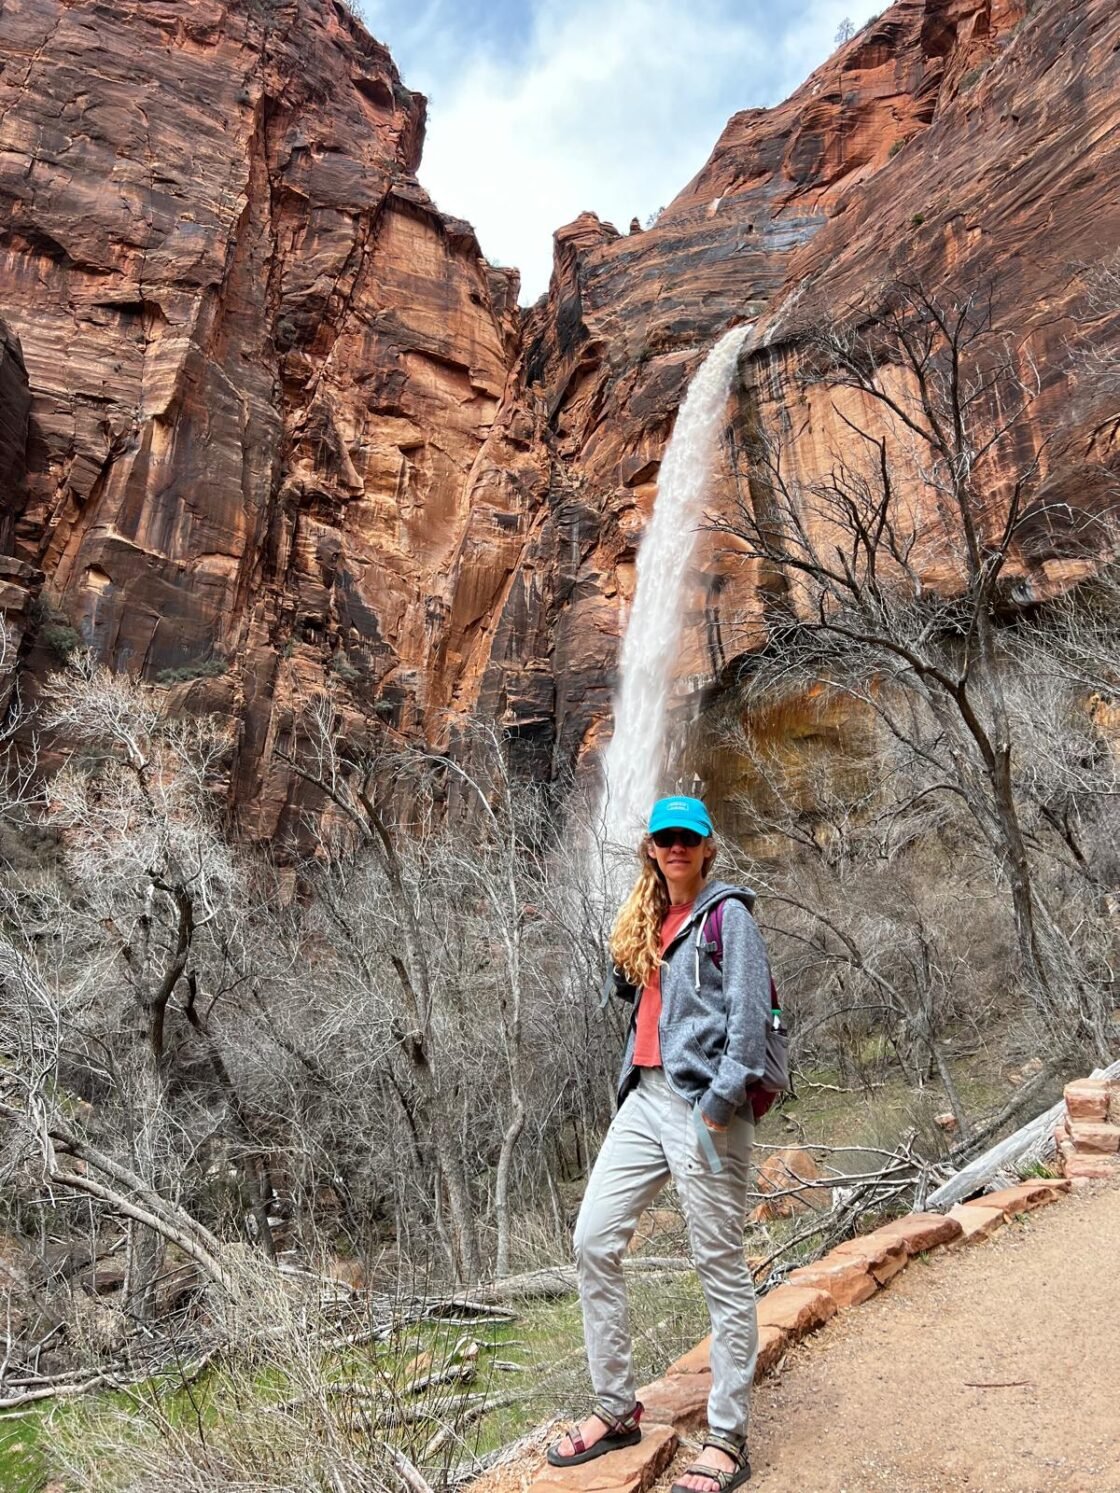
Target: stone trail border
{"type": "Point", "coordinates": [1087, 1141]}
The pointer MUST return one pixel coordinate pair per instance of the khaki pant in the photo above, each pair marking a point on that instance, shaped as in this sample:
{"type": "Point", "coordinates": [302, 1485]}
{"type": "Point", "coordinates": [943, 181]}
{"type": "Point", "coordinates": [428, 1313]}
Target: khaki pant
{"type": "Point", "coordinates": [653, 1137]}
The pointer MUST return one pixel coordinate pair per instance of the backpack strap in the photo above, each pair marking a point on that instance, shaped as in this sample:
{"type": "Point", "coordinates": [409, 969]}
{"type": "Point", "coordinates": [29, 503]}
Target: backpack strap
{"type": "Point", "coordinates": [710, 936]}
{"type": "Point", "coordinates": [715, 932]}
{"type": "Point", "coordinates": [709, 939]}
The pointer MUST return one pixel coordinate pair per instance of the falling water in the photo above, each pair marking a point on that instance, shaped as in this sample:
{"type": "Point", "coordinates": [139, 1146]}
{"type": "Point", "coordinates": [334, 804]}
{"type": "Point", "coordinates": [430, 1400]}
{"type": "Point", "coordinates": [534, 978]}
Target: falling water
{"type": "Point", "coordinates": [635, 757]}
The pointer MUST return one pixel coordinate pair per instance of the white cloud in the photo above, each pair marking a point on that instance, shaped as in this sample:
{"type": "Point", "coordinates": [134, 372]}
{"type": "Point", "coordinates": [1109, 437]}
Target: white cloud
{"type": "Point", "coordinates": [608, 105]}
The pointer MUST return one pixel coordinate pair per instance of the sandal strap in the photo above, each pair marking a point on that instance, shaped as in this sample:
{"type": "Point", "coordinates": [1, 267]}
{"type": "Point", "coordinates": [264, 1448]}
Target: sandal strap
{"type": "Point", "coordinates": [734, 1446]}
{"type": "Point", "coordinates": [721, 1476]}
{"type": "Point", "coordinates": [619, 1425]}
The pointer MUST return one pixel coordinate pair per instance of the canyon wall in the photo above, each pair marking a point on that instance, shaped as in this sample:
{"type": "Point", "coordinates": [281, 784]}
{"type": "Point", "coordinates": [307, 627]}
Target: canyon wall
{"type": "Point", "coordinates": [270, 424]}
{"type": "Point", "coordinates": [971, 145]}
{"type": "Point", "coordinates": [262, 362]}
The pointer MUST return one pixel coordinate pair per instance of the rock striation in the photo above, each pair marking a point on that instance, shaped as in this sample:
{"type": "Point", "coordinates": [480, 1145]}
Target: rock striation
{"type": "Point", "coordinates": [271, 426]}
{"type": "Point", "coordinates": [263, 364]}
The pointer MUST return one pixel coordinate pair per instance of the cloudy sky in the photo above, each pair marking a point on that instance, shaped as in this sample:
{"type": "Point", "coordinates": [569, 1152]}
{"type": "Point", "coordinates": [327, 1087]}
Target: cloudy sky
{"type": "Point", "coordinates": [539, 109]}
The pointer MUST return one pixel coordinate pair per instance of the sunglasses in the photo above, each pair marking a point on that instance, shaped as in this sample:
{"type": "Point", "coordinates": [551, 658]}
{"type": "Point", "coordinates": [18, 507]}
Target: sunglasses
{"type": "Point", "coordinates": [665, 839]}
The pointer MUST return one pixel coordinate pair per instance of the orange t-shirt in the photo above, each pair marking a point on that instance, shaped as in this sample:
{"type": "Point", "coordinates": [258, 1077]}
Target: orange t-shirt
{"type": "Point", "coordinates": [647, 1044]}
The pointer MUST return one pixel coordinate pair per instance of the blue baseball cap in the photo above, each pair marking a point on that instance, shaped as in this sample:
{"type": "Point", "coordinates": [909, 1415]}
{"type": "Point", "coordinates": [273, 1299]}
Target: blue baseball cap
{"type": "Point", "coordinates": [680, 813]}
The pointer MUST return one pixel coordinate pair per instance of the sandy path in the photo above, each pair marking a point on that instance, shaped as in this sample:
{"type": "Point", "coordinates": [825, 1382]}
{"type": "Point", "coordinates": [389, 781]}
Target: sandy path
{"type": "Point", "coordinates": [886, 1398]}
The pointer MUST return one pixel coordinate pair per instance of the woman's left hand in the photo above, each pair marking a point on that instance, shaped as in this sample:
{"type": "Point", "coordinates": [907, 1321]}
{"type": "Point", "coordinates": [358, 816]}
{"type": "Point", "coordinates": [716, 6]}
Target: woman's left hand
{"type": "Point", "coordinates": [711, 1124]}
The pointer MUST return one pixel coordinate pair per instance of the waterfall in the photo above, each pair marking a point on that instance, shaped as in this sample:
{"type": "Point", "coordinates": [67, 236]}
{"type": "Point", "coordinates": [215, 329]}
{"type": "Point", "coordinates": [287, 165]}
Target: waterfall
{"type": "Point", "coordinates": [635, 757]}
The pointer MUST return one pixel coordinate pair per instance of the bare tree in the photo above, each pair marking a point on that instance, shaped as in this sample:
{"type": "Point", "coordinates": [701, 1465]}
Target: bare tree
{"type": "Point", "coordinates": [889, 578]}
{"type": "Point", "coordinates": [468, 922]}
{"type": "Point", "coordinates": [94, 954]}
{"type": "Point", "coordinates": [353, 787]}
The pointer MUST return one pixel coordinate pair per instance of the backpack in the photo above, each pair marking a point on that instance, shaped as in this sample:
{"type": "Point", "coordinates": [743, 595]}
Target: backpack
{"type": "Point", "coordinates": [775, 1079]}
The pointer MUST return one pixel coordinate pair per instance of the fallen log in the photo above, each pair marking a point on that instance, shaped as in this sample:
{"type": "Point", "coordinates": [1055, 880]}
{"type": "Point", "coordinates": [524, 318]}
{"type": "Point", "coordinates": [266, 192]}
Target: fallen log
{"type": "Point", "coordinates": [549, 1283]}
{"type": "Point", "coordinates": [449, 1432]}
{"type": "Point", "coordinates": [1033, 1141]}
{"type": "Point", "coordinates": [412, 1479]}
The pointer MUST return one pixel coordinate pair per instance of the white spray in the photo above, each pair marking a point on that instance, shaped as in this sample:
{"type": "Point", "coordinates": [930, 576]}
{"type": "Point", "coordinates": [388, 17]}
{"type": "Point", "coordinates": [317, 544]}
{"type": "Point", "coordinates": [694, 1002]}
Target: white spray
{"type": "Point", "coordinates": [635, 757]}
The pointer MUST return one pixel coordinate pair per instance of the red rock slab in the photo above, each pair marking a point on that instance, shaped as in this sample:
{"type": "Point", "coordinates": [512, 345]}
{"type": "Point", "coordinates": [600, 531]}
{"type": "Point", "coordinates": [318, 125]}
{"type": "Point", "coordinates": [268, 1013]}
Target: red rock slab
{"type": "Point", "coordinates": [679, 1400]}
{"type": "Point", "coordinates": [630, 1470]}
{"type": "Point", "coordinates": [976, 1222]}
{"type": "Point", "coordinates": [695, 1361]}
{"type": "Point", "coordinates": [846, 1279]}
{"type": "Point", "coordinates": [795, 1310]}
{"type": "Point", "coordinates": [695, 1364]}
{"type": "Point", "coordinates": [882, 1255]}
{"type": "Point", "coordinates": [1088, 1098]}
{"type": "Point", "coordinates": [772, 1345]}
{"type": "Point", "coordinates": [920, 1232]}
{"type": "Point", "coordinates": [1092, 1168]}
{"type": "Point", "coordinates": [1026, 1196]}
{"type": "Point", "coordinates": [1091, 1135]}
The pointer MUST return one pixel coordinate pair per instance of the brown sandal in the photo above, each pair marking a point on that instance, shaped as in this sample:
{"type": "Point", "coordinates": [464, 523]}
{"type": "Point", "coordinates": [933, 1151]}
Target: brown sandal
{"type": "Point", "coordinates": [725, 1479]}
{"type": "Point", "coordinates": [621, 1431]}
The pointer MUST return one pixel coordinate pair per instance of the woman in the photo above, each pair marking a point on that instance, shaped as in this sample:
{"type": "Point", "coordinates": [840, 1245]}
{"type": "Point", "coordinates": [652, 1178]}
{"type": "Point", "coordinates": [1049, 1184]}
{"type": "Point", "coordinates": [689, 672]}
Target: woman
{"type": "Point", "coordinates": [695, 1047]}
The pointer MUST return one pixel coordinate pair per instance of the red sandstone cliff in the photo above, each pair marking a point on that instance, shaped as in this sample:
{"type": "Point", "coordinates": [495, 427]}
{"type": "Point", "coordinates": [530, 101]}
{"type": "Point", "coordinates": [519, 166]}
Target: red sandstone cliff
{"type": "Point", "coordinates": [962, 142]}
{"type": "Point", "coordinates": [262, 363]}
{"type": "Point", "coordinates": [285, 417]}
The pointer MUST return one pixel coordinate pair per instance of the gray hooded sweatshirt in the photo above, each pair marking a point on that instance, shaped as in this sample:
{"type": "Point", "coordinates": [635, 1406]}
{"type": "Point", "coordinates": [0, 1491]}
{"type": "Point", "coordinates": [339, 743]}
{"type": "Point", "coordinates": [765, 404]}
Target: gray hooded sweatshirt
{"type": "Point", "coordinates": [713, 1019]}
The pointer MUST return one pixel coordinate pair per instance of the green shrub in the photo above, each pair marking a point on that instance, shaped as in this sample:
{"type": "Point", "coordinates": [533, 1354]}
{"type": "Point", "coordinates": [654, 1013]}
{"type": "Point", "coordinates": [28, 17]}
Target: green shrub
{"type": "Point", "coordinates": [343, 669]}
{"type": "Point", "coordinates": [201, 668]}
{"type": "Point", "coordinates": [895, 148]}
{"type": "Point", "coordinates": [61, 639]}
{"type": "Point", "coordinates": [917, 220]}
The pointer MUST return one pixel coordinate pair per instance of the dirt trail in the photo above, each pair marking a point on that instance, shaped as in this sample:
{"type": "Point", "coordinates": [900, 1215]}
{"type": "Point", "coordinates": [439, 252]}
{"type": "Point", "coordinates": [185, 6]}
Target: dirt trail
{"type": "Point", "coordinates": [994, 1368]}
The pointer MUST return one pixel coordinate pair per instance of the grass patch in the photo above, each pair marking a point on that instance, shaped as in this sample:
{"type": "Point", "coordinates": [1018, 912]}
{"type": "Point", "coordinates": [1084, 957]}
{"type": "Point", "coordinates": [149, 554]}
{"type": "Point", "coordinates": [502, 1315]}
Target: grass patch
{"type": "Point", "coordinates": [23, 1467]}
{"type": "Point", "coordinates": [667, 1318]}
{"type": "Point", "coordinates": [1042, 1171]}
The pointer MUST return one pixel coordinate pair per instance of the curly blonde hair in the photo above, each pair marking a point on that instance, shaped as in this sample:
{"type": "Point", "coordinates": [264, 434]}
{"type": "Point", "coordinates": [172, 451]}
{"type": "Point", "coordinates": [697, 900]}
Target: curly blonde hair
{"type": "Point", "coordinates": [635, 942]}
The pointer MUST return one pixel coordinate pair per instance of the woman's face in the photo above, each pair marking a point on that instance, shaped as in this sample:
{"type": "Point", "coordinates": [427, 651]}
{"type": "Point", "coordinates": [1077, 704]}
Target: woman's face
{"type": "Point", "coordinates": [681, 864]}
